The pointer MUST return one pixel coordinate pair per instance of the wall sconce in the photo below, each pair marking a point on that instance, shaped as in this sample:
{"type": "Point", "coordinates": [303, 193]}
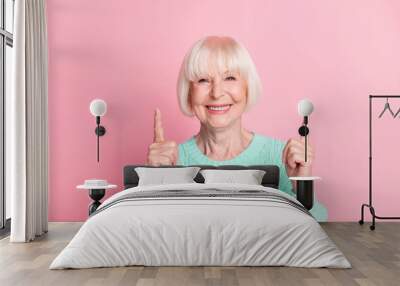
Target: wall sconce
{"type": "Point", "coordinates": [305, 108]}
{"type": "Point", "coordinates": [98, 108]}
{"type": "Point", "coordinates": [305, 185]}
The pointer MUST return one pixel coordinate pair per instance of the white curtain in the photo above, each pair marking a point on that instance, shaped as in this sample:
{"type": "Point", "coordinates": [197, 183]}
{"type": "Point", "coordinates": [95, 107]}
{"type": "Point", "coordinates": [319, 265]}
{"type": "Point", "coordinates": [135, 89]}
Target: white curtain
{"type": "Point", "coordinates": [26, 123]}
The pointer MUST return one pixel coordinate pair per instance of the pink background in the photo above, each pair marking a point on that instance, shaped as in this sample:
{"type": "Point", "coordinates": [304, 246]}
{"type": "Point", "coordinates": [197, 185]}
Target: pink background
{"type": "Point", "coordinates": [128, 53]}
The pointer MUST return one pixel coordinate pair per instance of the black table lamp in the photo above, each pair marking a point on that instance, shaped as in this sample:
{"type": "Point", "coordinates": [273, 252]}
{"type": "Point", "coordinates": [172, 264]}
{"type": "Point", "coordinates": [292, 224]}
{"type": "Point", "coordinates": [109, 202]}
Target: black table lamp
{"type": "Point", "coordinates": [98, 108]}
{"type": "Point", "coordinates": [305, 185]}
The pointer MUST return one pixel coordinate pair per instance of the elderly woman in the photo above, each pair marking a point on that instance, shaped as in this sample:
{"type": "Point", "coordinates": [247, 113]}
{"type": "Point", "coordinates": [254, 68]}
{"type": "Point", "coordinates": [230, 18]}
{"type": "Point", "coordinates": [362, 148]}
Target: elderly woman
{"type": "Point", "coordinates": [217, 83]}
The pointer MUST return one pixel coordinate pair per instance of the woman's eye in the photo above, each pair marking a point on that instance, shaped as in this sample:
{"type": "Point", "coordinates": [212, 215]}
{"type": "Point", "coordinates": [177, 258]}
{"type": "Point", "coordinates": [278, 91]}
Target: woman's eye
{"type": "Point", "coordinates": [202, 80]}
{"type": "Point", "coordinates": [230, 78]}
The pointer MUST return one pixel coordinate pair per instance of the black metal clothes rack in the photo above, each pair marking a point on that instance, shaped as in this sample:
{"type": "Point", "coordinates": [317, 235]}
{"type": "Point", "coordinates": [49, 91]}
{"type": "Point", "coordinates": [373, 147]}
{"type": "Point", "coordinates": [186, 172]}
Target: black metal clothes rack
{"type": "Point", "coordinates": [369, 205]}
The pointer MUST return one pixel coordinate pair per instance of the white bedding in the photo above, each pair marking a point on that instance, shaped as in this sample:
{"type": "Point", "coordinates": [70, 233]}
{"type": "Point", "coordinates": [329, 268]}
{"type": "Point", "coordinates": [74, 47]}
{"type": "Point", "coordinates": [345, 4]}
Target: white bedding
{"type": "Point", "coordinates": [182, 231]}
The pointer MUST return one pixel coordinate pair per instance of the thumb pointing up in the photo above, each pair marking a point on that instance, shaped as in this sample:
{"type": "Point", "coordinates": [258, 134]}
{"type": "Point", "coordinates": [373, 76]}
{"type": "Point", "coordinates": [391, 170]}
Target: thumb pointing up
{"type": "Point", "coordinates": [158, 129]}
{"type": "Point", "coordinates": [161, 152]}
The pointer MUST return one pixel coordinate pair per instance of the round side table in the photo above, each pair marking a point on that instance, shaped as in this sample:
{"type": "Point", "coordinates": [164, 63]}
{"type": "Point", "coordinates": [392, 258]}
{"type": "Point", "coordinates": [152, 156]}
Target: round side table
{"type": "Point", "coordinates": [96, 193]}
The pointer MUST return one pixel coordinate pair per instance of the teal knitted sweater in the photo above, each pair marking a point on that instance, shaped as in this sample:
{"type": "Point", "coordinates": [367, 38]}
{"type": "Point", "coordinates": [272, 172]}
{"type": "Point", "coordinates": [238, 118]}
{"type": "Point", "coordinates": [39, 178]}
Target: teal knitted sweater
{"type": "Point", "coordinates": [262, 150]}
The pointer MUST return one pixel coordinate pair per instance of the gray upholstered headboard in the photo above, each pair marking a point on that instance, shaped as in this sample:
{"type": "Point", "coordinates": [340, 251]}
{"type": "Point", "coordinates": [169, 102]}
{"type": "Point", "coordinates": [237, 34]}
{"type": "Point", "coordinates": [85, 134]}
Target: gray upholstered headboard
{"type": "Point", "coordinates": [270, 179]}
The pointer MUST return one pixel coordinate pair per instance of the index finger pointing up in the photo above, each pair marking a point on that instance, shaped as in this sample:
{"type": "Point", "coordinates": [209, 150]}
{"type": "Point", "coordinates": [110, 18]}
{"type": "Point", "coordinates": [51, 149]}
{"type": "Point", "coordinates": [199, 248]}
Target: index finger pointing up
{"type": "Point", "coordinates": [158, 130]}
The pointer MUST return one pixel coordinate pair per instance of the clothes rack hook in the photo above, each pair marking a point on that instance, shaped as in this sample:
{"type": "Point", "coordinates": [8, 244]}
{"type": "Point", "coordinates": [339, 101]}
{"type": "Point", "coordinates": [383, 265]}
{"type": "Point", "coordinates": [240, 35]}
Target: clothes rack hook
{"type": "Point", "coordinates": [387, 107]}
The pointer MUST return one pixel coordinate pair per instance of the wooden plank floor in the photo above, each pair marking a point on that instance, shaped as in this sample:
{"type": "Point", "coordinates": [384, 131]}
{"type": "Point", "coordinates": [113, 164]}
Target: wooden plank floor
{"type": "Point", "coordinates": [375, 257]}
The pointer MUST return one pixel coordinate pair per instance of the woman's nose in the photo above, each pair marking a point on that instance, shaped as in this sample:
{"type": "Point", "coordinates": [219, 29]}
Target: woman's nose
{"type": "Point", "coordinates": [216, 91]}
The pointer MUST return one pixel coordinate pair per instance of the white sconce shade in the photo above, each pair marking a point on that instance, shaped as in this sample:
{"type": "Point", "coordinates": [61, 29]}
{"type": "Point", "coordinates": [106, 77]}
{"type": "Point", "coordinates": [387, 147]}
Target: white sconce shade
{"type": "Point", "coordinates": [305, 107]}
{"type": "Point", "coordinates": [98, 107]}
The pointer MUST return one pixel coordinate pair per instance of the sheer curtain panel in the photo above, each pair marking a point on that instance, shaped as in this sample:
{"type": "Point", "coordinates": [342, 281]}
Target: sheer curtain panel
{"type": "Point", "coordinates": [26, 119]}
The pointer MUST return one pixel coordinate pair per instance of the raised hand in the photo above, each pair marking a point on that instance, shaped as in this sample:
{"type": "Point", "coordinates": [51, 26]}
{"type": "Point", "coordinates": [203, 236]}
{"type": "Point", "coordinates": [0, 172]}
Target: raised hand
{"type": "Point", "coordinates": [293, 158]}
{"type": "Point", "coordinates": [161, 151]}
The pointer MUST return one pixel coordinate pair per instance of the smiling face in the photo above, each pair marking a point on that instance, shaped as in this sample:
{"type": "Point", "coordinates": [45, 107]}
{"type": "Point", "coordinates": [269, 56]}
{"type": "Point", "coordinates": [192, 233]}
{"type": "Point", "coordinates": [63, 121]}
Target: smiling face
{"type": "Point", "coordinates": [219, 99]}
{"type": "Point", "coordinates": [217, 82]}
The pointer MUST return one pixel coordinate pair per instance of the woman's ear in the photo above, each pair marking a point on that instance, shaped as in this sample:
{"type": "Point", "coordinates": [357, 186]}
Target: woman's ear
{"type": "Point", "coordinates": [190, 107]}
{"type": "Point", "coordinates": [189, 101]}
{"type": "Point", "coordinates": [245, 90]}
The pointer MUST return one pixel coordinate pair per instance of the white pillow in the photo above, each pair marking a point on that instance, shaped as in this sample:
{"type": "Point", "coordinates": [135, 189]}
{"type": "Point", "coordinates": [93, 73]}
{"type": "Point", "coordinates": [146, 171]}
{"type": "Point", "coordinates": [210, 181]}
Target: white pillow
{"type": "Point", "coordinates": [249, 177]}
{"type": "Point", "coordinates": [162, 176]}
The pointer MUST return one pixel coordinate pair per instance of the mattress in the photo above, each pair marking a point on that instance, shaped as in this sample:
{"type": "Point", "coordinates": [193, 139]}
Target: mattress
{"type": "Point", "coordinates": [201, 225]}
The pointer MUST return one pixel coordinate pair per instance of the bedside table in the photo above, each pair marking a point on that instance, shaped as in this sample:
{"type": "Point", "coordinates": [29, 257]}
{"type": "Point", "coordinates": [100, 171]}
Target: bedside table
{"type": "Point", "coordinates": [305, 190]}
{"type": "Point", "coordinates": [97, 189]}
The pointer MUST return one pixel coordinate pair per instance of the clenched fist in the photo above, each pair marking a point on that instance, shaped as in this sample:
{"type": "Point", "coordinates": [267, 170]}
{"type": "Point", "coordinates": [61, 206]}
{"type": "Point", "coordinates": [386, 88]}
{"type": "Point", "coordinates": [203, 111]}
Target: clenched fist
{"type": "Point", "coordinates": [161, 152]}
{"type": "Point", "coordinates": [293, 156]}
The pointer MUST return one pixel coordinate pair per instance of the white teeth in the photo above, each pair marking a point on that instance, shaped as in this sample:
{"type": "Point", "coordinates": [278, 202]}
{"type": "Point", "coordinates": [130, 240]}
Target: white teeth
{"type": "Point", "coordinates": [225, 107]}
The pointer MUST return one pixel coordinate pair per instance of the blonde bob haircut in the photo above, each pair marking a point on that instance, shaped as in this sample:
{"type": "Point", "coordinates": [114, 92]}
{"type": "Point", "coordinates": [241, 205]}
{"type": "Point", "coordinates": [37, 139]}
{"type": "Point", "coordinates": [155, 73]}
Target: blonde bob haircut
{"type": "Point", "coordinates": [226, 55]}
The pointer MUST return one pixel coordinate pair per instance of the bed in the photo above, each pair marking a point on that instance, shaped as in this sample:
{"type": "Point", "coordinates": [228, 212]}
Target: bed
{"type": "Point", "coordinates": [199, 224]}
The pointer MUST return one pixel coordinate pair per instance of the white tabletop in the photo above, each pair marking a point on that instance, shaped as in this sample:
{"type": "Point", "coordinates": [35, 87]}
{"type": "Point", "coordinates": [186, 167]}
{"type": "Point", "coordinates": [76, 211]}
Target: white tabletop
{"type": "Point", "coordinates": [86, 187]}
{"type": "Point", "coordinates": [311, 178]}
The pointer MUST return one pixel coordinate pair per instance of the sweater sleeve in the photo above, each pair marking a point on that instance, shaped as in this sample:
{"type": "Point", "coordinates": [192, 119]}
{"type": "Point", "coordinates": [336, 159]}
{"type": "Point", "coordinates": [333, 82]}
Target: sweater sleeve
{"type": "Point", "coordinates": [285, 184]}
{"type": "Point", "coordinates": [182, 155]}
